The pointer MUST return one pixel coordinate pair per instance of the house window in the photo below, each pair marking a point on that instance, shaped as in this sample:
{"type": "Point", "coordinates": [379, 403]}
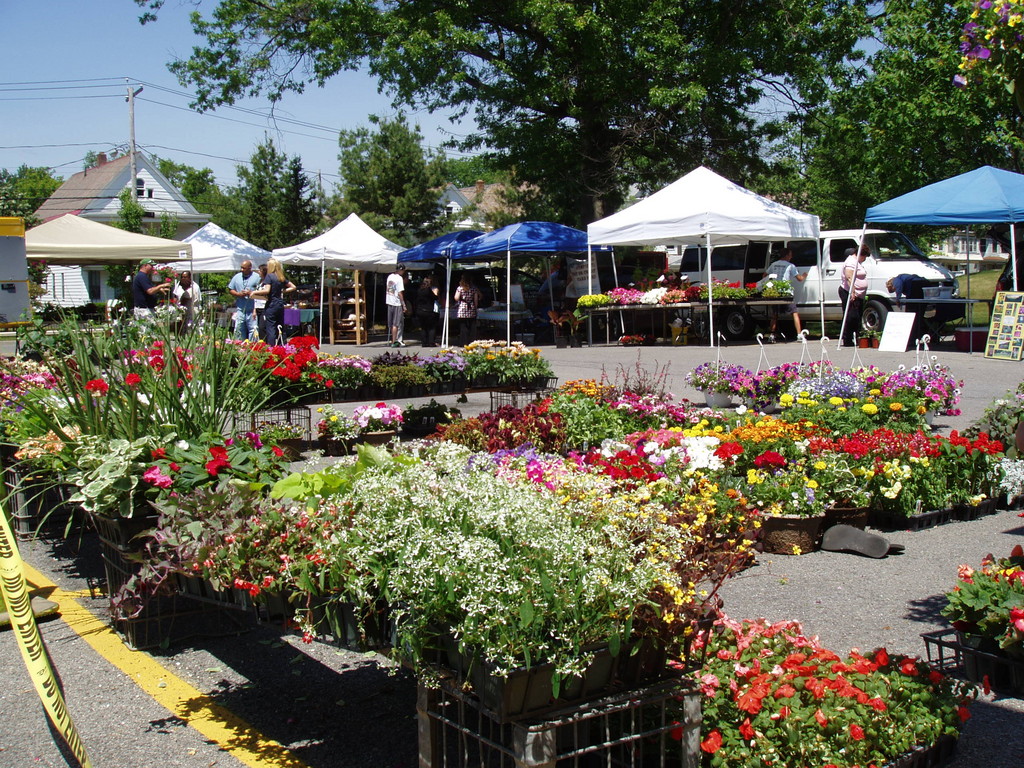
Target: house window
{"type": "Point", "coordinates": [140, 187]}
{"type": "Point", "coordinates": [92, 284]}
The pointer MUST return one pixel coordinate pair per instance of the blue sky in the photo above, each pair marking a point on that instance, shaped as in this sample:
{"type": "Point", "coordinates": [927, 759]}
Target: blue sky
{"type": "Point", "coordinates": [63, 70]}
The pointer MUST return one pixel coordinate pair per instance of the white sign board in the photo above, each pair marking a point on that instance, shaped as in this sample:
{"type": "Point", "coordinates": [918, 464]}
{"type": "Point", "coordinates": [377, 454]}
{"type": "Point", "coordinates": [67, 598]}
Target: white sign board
{"type": "Point", "coordinates": [896, 335]}
{"type": "Point", "coordinates": [577, 285]}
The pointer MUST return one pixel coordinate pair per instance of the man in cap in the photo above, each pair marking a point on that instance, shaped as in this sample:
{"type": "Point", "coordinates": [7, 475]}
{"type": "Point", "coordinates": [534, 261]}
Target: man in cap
{"type": "Point", "coordinates": [241, 287]}
{"type": "Point", "coordinates": [144, 290]}
{"type": "Point", "coordinates": [397, 308]}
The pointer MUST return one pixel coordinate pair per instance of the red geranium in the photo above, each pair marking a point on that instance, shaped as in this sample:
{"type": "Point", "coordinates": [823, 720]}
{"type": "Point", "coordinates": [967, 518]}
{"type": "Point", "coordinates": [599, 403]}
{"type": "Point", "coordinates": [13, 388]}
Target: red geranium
{"type": "Point", "coordinates": [97, 387]}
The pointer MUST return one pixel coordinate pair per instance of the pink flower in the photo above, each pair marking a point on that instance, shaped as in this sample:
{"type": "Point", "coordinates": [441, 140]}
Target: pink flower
{"type": "Point", "coordinates": [155, 477]}
{"type": "Point", "coordinates": [1017, 619]}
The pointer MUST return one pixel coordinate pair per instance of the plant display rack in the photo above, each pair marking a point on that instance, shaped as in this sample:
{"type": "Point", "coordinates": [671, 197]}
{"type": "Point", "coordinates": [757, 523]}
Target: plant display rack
{"type": "Point", "coordinates": [653, 726]}
{"type": "Point", "coordinates": [299, 415]}
{"type": "Point", "coordinates": [945, 651]}
{"type": "Point", "coordinates": [346, 314]}
{"type": "Point", "coordinates": [33, 504]}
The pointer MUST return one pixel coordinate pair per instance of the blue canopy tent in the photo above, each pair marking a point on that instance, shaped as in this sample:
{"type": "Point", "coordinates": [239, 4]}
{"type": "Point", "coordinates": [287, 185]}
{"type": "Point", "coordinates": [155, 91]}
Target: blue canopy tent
{"type": "Point", "coordinates": [524, 237]}
{"type": "Point", "coordinates": [986, 195]}
{"type": "Point", "coordinates": [438, 249]}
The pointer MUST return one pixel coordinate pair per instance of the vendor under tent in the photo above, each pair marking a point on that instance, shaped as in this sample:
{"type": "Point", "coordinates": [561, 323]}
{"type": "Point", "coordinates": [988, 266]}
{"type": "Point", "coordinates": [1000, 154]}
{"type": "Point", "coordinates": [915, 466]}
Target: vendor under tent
{"type": "Point", "coordinates": [986, 195]}
{"type": "Point", "coordinates": [217, 250]}
{"type": "Point", "coordinates": [525, 237]}
{"type": "Point", "coordinates": [702, 208]}
{"type": "Point", "coordinates": [71, 239]}
{"type": "Point", "coordinates": [351, 245]}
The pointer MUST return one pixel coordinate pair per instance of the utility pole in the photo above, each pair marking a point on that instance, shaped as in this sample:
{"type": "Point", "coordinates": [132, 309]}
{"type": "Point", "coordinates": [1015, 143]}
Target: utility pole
{"type": "Point", "coordinates": [131, 136]}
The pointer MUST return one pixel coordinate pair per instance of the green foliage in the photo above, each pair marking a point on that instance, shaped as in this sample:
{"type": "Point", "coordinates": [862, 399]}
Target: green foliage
{"type": "Point", "coordinates": [273, 204]}
{"type": "Point", "coordinates": [131, 213]}
{"type": "Point", "coordinates": [586, 422]}
{"type": "Point", "coordinates": [390, 181]}
{"type": "Point", "coordinates": [899, 125]}
{"type": "Point", "coordinates": [24, 190]}
{"type": "Point", "coordinates": [580, 100]}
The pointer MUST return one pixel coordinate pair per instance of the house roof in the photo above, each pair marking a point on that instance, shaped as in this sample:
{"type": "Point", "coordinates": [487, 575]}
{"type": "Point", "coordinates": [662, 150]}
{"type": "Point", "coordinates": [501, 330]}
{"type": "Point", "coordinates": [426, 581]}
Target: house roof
{"type": "Point", "coordinates": [92, 193]}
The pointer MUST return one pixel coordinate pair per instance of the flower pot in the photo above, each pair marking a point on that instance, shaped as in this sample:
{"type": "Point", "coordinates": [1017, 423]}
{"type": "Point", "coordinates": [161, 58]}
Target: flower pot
{"type": "Point", "coordinates": [420, 427]}
{"type": "Point", "coordinates": [853, 516]}
{"type": "Point", "coordinates": [875, 343]}
{"type": "Point", "coordinates": [333, 446]}
{"type": "Point", "coordinates": [864, 343]}
{"type": "Point", "coordinates": [718, 399]}
{"type": "Point", "coordinates": [378, 438]}
{"type": "Point", "coordinates": [791, 534]}
{"type": "Point", "coordinates": [561, 342]}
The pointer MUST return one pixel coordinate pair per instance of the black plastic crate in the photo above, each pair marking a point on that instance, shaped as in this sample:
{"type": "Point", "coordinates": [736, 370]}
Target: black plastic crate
{"type": "Point", "coordinates": [945, 651]}
{"type": "Point", "coordinates": [653, 726]}
{"type": "Point", "coordinates": [298, 415]}
{"type": "Point", "coordinates": [885, 521]}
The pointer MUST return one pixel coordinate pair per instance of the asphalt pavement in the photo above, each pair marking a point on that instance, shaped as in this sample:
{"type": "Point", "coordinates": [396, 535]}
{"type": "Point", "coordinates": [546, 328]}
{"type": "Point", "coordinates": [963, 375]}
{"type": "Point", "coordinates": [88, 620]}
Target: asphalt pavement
{"type": "Point", "coordinates": [331, 708]}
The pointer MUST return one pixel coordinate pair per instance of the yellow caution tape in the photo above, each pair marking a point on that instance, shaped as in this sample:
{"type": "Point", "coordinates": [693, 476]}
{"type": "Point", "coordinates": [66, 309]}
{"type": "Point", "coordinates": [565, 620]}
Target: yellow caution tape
{"type": "Point", "coordinates": [33, 651]}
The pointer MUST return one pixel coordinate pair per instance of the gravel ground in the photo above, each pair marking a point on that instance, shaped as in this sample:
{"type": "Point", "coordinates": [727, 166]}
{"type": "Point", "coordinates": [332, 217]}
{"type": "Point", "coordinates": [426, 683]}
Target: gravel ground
{"type": "Point", "coordinates": [336, 709]}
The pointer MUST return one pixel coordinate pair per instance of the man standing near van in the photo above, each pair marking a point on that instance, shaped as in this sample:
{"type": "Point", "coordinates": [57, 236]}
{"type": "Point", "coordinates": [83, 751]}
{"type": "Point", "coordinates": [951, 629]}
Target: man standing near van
{"type": "Point", "coordinates": [783, 268]}
{"type": "Point", "coordinates": [853, 287]}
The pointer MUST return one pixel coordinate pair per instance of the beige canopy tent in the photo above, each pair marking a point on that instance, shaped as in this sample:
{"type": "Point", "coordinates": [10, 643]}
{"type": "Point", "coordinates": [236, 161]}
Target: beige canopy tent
{"type": "Point", "coordinates": [71, 239]}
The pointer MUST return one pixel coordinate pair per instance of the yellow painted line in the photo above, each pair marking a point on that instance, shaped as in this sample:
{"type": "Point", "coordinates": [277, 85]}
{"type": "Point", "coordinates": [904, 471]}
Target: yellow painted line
{"type": "Point", "coordinates": [234, 735]}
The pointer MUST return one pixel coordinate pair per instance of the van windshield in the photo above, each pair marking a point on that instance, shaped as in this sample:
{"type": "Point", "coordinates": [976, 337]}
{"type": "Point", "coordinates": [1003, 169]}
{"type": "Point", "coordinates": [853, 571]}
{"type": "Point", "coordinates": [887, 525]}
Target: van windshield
{"type": "Point", "coordinates": [893, 246]}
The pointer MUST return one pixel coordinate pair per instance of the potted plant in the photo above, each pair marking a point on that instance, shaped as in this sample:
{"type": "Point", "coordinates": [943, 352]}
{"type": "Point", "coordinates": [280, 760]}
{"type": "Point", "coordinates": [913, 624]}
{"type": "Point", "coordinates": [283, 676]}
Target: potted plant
{"type": "Point", "coordinates": [290, 438]}
{"type": "Point", "coordinates": [337, 432]}
{"type": "Point", "coordinates": [986, 608]}
{"type": "Point", "coordinates": [566, 323]}
{"type": "Point", "coordinates": [764, 682]}
{"type": "Point", "coordinates": [423, 420]}
{"type": "Point", "coordinates": [378, 423]}
{"type": "Point", "coordinates": [791, 503]}
{"type": "Point", "coordinates": [720, 382]}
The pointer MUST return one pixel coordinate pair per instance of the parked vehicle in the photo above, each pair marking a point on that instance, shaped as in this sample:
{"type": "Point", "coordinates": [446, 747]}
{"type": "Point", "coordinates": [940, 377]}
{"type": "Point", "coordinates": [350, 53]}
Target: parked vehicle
{"type": "Point", "coordinates": [892, 254]}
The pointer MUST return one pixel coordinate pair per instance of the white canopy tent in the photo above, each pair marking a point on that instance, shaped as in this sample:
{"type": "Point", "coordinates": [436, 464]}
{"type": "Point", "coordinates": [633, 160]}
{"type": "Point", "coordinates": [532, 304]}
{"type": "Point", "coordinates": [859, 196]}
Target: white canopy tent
{"type": "Point", "coordinates": [216, 250]}
{"type": "Point", "coordinates": [71, 239]}
{"type": "Point", "coordinates": [702, 208]}
{"type": "Point", "coordinates": [351, 244]}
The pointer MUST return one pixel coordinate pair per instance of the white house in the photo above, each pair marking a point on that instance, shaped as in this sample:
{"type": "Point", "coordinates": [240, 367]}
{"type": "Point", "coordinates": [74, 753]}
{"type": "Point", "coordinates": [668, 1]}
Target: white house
{"type": "Point", "coordinates": [93, 194]}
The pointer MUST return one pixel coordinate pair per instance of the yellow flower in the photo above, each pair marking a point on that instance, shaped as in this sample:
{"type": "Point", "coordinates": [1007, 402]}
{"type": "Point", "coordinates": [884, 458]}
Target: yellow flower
{"type": "Point", "coordinates": [797, 550]}
{"type": "Point", "coordinates": [869, 408]}
{"type": "Point", "coordinates": [835, 400]}
{"type": "Point", "coordinates": [895, 406]}
{"type": "Point", "coordinates": [820, 465]}
{"type": "Point", "coordinates": [812, 483]}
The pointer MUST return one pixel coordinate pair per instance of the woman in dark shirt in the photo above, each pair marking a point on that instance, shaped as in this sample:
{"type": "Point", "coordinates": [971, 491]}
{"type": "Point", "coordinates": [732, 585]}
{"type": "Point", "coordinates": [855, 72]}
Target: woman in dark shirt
{"type": "Point", "coordinates": [426, 310]}
{"type": "Point", "coordinates": [274, 286]}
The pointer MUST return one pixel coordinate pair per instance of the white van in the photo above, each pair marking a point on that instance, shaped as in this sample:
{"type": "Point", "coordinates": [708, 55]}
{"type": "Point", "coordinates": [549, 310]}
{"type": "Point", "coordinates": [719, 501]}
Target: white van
{"type": "Point", "coordinates": [892, 254]}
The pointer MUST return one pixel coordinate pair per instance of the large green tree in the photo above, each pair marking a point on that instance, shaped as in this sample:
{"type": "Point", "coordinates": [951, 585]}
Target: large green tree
{"type": "Point", "coordinates": [902, 126]}
{"type": "Point", "coordinates": [390, 181]}
{"type": "Point", "coordinates": [273, 204]}
{"type": "Point", "coordinates": [582, 97]}
{"type": "Point", "coordinates": [24, 190]}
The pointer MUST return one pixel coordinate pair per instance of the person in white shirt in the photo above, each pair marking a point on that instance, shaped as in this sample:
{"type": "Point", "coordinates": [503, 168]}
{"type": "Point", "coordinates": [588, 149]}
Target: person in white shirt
{"type": "Point", "coordinates": [189, 298]}
{"type": "Point", "coordinates": [783, 268]}
{"type": "Point", "coordinates": [397, 308]}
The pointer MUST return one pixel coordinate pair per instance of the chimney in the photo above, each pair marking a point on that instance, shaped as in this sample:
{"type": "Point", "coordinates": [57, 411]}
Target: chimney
{"type": "Point", "coordinates": [479, 189]}
{"type": "Point", "coordinates": [101, 158]}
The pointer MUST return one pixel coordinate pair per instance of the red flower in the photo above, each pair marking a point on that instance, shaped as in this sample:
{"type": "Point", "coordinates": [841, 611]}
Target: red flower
{"type": "Point", "coordinates": [277, 451]}
{"type": "Point", "coordinates": [820, 717]}
{"type": "Point", "coordinates": [712, 743]}
{"type": "Point", "coordinates": [856, 732]}
{"type": "Point", "coordinates": [908, 667]}
{"type": "Point", "coordinates": [158, 453]}
{"type": "Point", "coordinates": [219, 460]}
{"type": "Point", "coordinates": [786, 691]}
{"type": "Point", "coordinates": [881, 657]}
{"type": "Point", "coordinates": [97, 386]}
{"type": "Point", "coordinates": [963, 713]}
{"type": "Point", "coordinates": [770, 459]}
{"type": "Point", "coordinates": [747, 730]}
{"type": "Point", "coordinates": [132, 379]}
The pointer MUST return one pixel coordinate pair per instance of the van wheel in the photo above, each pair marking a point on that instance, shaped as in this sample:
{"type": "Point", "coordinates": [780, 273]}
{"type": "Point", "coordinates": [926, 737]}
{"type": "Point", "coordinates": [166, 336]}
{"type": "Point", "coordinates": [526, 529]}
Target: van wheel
{"type": "Point", "coordinates": [873, 317]}
{"type": "Point", "coordinates": [736, 324]}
